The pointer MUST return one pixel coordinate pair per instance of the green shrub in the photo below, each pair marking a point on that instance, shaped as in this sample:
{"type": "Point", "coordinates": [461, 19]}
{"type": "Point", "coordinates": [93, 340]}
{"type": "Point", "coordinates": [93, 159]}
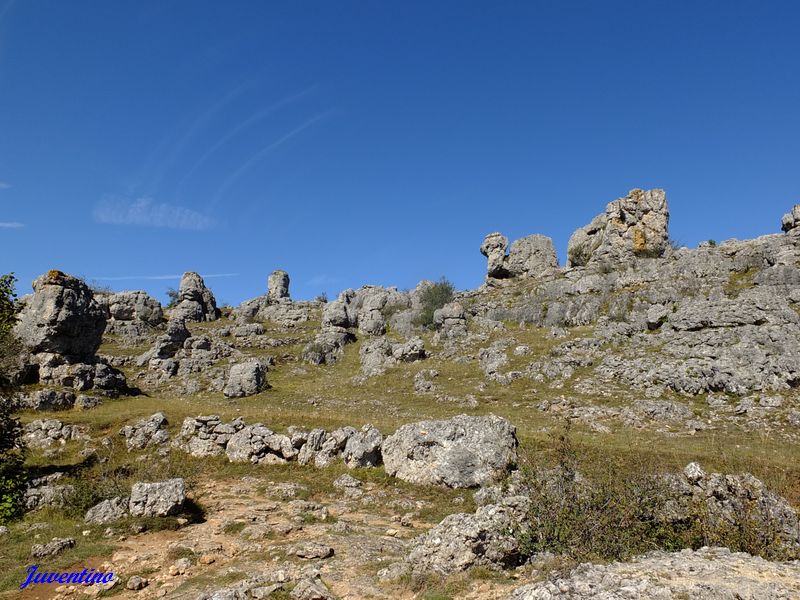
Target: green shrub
{"type": "Point", "coordinates": [173, 295]}
{"type": "Point", "coordinates": [598, 508]}
{"type": "Point", "coordinates": [434, 297]}
{"type": "Point", "coordinates": [12, 449]}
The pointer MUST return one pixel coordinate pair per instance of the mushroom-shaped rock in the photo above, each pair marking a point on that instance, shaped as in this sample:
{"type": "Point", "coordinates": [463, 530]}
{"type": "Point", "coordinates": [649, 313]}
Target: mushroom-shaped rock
{"type": "Point", "coordinates": [791, 221]}
{"type": "Point", "coordinates": [494, 249]}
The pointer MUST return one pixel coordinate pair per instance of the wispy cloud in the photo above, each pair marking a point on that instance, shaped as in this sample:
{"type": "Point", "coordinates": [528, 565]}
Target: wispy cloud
{"type": "Point", "coordinates": [144, 212]}
{"type": "Point", "coordinates": [242, 126]}
{"type": "Point", "coordinates": [157, 277]}
{"type": "Point", "coordinates": [260, 155]}
{"type": "Point", "coordinates": [10, 225]}
{"type": "Point", "coordinates": [4, 185]}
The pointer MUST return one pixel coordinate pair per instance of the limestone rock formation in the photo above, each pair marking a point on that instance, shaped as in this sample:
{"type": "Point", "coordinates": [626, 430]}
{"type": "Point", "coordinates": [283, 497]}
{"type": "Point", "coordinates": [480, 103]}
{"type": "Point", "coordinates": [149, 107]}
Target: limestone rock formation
{"type": "Point", "coordinates": [151, 431]}
{"type": "Point", "coordinates": [791, 221]}
{"type": "Point", "coordinates": [531, 256]}
{"type": "Point", "coordinates": [451, 320]}
{"type": "Point", "coordinates": [61, 317]}
{"type": "Point", "coordinates": [245, 379]}
{"type": "Point", "coordinates": [159, 499]}
{"type": "Point", "coordinates": [277, 286]}
{"type": "Point", "coordinates": [704, 574]}
{"type": "Point", "coordinates": [107, 511]}
{"type": "Point", "coordinates": [460, 452]}
{"type": "Point", "coordinates": [630, 227]}
{"type": "Point", "coordinates": [494, 249]}
{"type": "Point", "coordinates": [195, 300]}
{"type": "Point", "coordinates": [131, 315]}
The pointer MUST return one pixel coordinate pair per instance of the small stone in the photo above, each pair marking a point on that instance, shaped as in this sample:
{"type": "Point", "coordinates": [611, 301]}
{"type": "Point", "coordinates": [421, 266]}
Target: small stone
{"type": "Point", "coordinates": [207, 559]}
{"type": "Point", "coordinates": [137, 583]}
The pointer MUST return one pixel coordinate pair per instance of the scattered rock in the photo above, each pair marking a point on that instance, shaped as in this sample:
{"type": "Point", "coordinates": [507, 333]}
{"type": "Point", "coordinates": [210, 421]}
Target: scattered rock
{"type": "Point", "coordinates": [52, 548]}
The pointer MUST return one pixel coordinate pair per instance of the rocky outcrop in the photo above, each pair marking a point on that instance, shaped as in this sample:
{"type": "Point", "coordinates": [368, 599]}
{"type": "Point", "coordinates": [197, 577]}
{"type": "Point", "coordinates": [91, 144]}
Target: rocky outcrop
{"type": "Point", "coordinates": [363, 448]}
{"type": "Point", "coordinates": [378, 354]}
{"type": "Point", "coordinates": [46, 492]}
{"type": "Point", "coordinates": [257, 444]}
{"type": "Point", "coordinates": [734, 502]}
{"type": "Point", "coordinates": [277, 286]}
{"type": "Point", "coordinates": [276, 305]}
{"type": "Point", "coordinates": [61, 317]}
{"type": "Point", "coordinates": [451, 320]}
{"type": "Point", "coordinates": [531, 256]}
{"type": "Point", "coordinates": [159, 499]}
{"type": "Point", "coordinates": [704, 574]}
{"type": "Point", "coordinates": [43, 433]}
{"type": "Point", "coordinates": [52, 548]}
{"type": "Point", "coordinates": [460, 452]}
{"type": "Point", "coordinates": [107, 511]}
{"type": "Point", "coordinates": [246, 379]}
{"type": "Point", "coordinates": [195, 300]}
{"type": "Point", "coordinates": [148, 432]}
{"type": "Point", "coordinates": [131, 315]}
{"type": "Point", "coordinates": [487, 538]}
{"type": "Point", "coordinates": [791, 221]}
{"type": "Point", "coordinates": [631, 227]}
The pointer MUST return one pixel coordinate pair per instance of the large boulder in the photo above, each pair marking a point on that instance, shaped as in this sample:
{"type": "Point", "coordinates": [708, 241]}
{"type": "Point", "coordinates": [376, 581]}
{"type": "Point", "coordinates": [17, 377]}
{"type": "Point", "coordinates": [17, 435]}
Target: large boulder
{"type": "Point", "coordinates": [135, 306]}
{"type": "Point", "coordinates": [461, 452]}
{"type": "Point", "coordinates": [107, 511]}
{"type": "Point", "coordinates": [532, 256]}
{"type": "Point", "coordinates": [159, 499]}
{"type": "Point", "coordinates": [631, 227]}
{"type": "Point", "coordinates": [791, 221]}
{"type": "Point", "coordinates": [245, 379]}
{"type": "Point", "coordinates": [131, 315]}
{"type": "Point", "coordinates": [195, 300]}
{"type": "Point", "coordinates": [463, 540]}
{"type": "Point", "coordinates": [277, 286]}
{"type": "Point", "coordinates": [61, 317]}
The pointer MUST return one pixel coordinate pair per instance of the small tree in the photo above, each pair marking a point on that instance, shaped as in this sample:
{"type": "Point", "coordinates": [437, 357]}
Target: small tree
{"type": "Point", "coordinates": [434, 297]}
{"type": "Point", "coordinates": [12, 458]}
{"type": "Point", "coordinates": [173, 296]}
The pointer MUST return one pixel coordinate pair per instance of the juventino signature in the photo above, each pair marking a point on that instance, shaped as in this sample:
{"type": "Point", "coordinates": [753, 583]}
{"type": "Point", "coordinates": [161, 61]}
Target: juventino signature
{"type": "Point", "coordinates": [86, 577]}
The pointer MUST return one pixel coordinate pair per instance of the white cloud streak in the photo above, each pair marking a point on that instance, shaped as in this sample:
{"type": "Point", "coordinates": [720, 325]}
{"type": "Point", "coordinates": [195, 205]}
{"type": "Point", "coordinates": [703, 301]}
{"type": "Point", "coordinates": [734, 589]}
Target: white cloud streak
{"type": "Point", "coordinates": [10, 225]}
{"type": "Point", "coordinates": [146, 213]}
{"type": "Point", "coordinates": [4, 185]}
{"type": "Point", "coordinates": [260, 155]}
{"type": "Point", "coordinates": [157, 277]}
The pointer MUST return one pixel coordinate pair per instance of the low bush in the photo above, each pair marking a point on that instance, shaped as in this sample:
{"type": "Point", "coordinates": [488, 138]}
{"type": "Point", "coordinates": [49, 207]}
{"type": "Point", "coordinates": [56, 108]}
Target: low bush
{"type": "Point", "coordinates": [598, 508]}
{"type": "Point", "coordinates": [434, 297]}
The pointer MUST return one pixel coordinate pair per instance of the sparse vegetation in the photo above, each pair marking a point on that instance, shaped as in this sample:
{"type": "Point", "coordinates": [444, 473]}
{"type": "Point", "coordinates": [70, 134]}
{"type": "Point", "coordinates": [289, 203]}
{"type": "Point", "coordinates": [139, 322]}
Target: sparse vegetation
{"type": "Point", "coordinates": [172, 297]}
{"type": "Point", "coordinates": [434, 297]}
{"type": "Point", "coordinates": [12, 456]}
{"type": "Point", "coordinates": [602, 508]}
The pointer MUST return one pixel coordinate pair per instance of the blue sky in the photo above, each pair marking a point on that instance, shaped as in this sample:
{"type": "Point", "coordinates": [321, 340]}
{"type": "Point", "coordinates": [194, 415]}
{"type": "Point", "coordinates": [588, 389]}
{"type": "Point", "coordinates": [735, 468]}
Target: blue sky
{"type": "Point", "coordinates": [378, 142]}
